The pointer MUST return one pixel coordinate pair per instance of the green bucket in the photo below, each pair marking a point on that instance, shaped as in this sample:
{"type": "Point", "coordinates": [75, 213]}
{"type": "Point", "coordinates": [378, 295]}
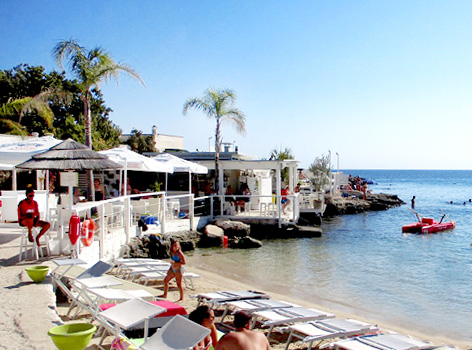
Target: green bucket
{"type": "Point", "coordinates": [73, 336]}
{"type": "Point", "coordinates": [37, 273]}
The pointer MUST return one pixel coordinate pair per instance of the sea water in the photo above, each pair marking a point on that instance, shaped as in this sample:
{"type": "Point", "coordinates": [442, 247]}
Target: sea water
{"type": "Point", "coordinates": [365, 266]}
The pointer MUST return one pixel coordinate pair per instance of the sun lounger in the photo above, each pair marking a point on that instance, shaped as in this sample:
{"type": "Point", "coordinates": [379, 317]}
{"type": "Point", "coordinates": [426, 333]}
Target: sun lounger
{"type": "Point", "coordinates": [276, 317]}
{"type": "Point", "coordinates": [253, 305]}
{"type": "Point", "coordinates": [310, 332]}
{"type": "Point", "coordinates": [217, 298]}
{"type": "Point", "coordinates": [178, 334]}
{"type": "Point", "coordinates": [131, 313]}
{"type": "Point", "coordinates": [380, 342]}
{"type": "Point", "coordinates": [146, 277]}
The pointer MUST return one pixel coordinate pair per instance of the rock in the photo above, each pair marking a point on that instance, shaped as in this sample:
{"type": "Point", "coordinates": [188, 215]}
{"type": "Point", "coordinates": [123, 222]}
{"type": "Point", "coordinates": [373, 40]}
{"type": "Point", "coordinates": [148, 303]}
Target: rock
{"type": "Point", "coordinates": [244, 243]}
{"type": "Point", "coordinates": [233, 228]}
{"type": "Point", "coordinates": [213, 231]}
{"type": "Point", "coordinates": [156, 246]}
{"type": "Point", "coordinates": [377, 201]}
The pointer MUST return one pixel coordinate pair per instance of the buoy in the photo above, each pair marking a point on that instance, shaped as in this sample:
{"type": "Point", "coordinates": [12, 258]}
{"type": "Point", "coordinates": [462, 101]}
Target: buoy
{"type": "Point", "coordinates": [74, 228]}
{"type": "Point", "coordinates": [225, 241]}
{"type": "Point", "coordinates": [87, 232]}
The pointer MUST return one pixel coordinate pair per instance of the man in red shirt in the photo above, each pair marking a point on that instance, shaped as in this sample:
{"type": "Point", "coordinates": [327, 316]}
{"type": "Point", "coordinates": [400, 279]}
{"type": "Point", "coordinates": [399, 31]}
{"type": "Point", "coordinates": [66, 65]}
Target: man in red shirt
{"type": "Point", "coordinates": [28, 216]}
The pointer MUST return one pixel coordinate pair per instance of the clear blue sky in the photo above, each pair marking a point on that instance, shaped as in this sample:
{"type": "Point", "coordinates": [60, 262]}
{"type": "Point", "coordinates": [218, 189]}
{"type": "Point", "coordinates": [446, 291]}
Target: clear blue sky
{"type": "Point", "coordinates": [385, 84]}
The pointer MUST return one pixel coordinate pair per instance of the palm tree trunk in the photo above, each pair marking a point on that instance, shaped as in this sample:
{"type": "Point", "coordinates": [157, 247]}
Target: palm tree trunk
{"type": "Point", "coordinates": [217, 155]}
{"type": "Point", "coordinates": [88, 123]}
{"type": "Point", "coordinates": [88, 143]}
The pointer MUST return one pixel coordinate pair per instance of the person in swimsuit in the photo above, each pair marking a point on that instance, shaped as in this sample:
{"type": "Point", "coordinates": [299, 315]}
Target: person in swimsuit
{"type": "Point", "coordinates": [28, 216]}
{"type": "Point", "coordinates": [176, 269]}
{"type": "Point", "coordinates": [205, 316]}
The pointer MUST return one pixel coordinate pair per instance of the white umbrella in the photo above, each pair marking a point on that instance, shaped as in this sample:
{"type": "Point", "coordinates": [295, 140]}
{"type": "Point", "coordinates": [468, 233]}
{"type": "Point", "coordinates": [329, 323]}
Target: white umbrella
{"type": "Point", "coordinates": [14, 153]}
{"type": "Point", "coordinates": [18, 152]}
{"type": "Point", "coordinates": [181, 166]}
{"type": "Point", "coordinates": [135, 161]}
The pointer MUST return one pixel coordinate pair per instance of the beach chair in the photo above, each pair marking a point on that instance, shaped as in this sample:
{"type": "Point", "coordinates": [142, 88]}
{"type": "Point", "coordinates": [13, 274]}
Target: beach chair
{"type": "Point", "coordinates": [380, 341]}
{"type": "Point", "coordinates": [146, 277]}
{"type": "Point", "coordinates": [178, 334]}
{"type": "Point", "coordinates": [214, 299]}
{"type": "Point", "coordinates": [254, 305]}
{"type": "Point", "coordinates": [131, 313]}
{"type": "Point", "coordinates": [286, 316]}
{"type": "Point", "coordinates": [310, 332]}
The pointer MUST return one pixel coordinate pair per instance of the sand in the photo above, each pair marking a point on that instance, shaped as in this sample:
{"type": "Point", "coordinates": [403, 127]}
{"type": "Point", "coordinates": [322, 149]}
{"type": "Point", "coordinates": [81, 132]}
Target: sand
{"type": "Point", "coordinates": [29, 310]}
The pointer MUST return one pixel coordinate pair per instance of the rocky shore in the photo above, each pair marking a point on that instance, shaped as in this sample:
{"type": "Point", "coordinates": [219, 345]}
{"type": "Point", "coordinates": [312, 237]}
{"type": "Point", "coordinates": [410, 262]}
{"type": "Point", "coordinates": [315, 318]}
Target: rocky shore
{"type": "Point", "coordinates": [354, 204]}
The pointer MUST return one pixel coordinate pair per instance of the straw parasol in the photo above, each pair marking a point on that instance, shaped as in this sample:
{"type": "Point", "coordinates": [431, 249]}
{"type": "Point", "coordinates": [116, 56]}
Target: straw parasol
{"type": "Point", "coordinates": [70, 155]}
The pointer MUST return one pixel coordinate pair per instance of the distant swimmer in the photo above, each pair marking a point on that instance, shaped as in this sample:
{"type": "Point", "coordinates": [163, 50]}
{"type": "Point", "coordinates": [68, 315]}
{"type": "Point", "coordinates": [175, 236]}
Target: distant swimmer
{"type": "Point", "coordinates": [413, 202]}
{"type": "Point", "coordinates": [451, 202]}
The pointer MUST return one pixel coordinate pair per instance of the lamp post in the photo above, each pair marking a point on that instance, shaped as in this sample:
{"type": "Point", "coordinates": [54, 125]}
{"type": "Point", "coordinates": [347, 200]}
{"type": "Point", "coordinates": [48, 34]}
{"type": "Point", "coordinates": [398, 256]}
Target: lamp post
{"type": "Point", "coordinates": [337, 154]}
{"type": "Point", "coordinates": [209, 144]}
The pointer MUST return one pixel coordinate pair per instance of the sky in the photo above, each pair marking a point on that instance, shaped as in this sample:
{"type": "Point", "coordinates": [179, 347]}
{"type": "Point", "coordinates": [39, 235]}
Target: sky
{"type": "Point", "coordinates": [375, 84]}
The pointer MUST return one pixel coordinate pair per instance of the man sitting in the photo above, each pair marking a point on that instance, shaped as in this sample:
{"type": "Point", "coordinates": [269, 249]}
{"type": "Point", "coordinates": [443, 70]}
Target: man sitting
{"type": "Point", "coordinates": [243, 338]}
{"type": "Point", "coordinates": [28, 216]}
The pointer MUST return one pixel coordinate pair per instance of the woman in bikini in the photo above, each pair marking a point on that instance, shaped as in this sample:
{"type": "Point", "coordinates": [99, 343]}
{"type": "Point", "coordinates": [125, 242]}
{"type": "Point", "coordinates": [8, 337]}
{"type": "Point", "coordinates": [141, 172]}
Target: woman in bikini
{"type": "Point", "coordinates": [205, 316]}
{"type": "Point", "coordinates": [176, 269]}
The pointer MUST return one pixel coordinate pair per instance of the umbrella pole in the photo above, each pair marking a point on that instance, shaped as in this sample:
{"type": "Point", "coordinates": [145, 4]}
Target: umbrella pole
{"type": "Point", "coordinates": [14, 179]}
{"type": "Point", "coordinates": [189, 182]}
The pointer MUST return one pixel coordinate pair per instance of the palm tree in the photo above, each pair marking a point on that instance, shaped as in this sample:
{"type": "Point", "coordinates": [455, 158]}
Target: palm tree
{"type": "Point", "coordinates": [90, 67]}
{"type": "Point", "coordinates": [218, 104]}
{"type": "Point", "coordinates": [12, 112]}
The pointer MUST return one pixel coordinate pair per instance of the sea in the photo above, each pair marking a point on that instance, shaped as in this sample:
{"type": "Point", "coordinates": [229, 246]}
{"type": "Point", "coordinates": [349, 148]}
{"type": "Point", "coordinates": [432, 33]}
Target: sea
{"type": "Point", "coordinates": [363, 265]}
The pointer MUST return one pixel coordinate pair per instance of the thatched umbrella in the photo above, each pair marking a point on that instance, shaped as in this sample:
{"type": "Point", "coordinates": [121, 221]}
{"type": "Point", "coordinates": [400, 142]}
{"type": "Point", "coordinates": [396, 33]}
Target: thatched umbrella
{"type": "Point", "coordinates": [70, 155]}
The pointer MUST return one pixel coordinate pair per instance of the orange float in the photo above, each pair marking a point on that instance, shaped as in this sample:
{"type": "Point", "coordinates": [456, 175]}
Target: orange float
{"type": "Point", "coordinates": [87, 232]}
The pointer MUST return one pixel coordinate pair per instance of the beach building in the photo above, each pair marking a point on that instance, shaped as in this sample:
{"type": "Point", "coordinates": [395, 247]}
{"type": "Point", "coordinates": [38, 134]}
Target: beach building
{"type": "Point", "coordinates": [162, 142]}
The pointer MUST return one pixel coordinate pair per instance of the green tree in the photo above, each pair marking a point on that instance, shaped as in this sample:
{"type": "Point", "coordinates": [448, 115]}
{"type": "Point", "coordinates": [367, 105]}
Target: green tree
{"type": "Point", "coordinates": [218, 104]}
{"type": "Point", "coordinates": [284, 154]}
{"type": "Point", "coordinates": [321, 170]}
{"type": "Point", "coordinates": [24, 80]}
{"type": "Point", "coordinates": [12, 112]}
{"type": "Point", "coordinates": [90, 67]}
{"type": "Point", "coordinates": [140, 143]}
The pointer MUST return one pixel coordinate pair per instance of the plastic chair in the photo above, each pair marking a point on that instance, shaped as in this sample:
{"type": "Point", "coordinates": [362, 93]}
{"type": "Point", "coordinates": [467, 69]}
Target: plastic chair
{"type": "Point", "coordinates": [177, 334]}
{"type": "Point", "coordinates": [36, 251]}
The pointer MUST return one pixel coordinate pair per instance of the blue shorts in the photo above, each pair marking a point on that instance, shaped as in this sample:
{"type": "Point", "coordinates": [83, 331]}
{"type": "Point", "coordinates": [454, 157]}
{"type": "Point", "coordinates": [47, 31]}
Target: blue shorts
{"type": "Point", "coordinates": [284, 200]}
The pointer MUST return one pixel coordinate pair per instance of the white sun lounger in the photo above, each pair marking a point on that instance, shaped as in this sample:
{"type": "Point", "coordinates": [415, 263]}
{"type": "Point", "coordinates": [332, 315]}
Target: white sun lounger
{"type": "Point", "coordinates": [134, 312]}
{"type": "Point", "coordinates": [187, 277]}
{"type": "Point", "coordinates": [254, 305]}
{"type": "Point", "coordinates": [178, 334]}
{"type": "Point", "coordinates": [380, 342]}
{"type": "Point", "coordinates": [310, 332]}
{"type": "Point", "coordinates": [276, 317]}
{"type": "Point", "coordinates": [216, 298]}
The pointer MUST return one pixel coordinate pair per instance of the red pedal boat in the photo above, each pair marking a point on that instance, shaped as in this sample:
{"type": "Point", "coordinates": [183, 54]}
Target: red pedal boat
{"type": "Point", "coordinates": [429, 225]}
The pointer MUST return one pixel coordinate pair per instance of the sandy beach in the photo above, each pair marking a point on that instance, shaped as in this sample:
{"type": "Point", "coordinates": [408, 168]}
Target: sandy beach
{"type": "Point", "coordinates": [30, 310]}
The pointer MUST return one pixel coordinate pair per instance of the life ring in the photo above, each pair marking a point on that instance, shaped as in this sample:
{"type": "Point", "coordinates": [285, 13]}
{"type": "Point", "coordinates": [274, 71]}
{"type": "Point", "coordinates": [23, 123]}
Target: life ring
{"type": "Point", "coordinates": [74, 229]}
{"type": "Point", "coordinates": [87, 232]}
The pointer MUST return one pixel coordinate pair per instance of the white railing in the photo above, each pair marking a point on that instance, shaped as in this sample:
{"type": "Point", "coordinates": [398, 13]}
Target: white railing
{"type": "Point", "coordinates": [116, 217]}
{"type": "Point", "coordinates": [251, 206]}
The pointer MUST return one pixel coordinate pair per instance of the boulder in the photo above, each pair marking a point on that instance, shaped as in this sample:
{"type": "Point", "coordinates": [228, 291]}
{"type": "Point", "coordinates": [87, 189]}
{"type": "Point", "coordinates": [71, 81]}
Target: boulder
{"type": "Point", "coordinates": [233, 228]}
{"type": "Point", "coordinates": [156, 246]}
{"type": "Point", "coordinates": [244, 243]}
{"type": "Point", "coordinates": [212, 237]}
